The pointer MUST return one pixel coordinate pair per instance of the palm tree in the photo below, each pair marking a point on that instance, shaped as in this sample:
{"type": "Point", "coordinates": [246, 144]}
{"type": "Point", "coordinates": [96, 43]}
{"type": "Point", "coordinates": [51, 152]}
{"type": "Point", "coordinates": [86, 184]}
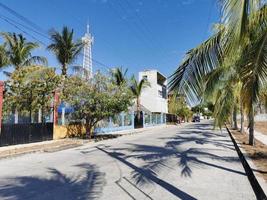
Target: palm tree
{"type": "Point", "coordinates": [243, 30]}
{"type": "Point", "coordinates": [65, 48]}
{"type": "Point", "coordinates": [119, 76]}
{"type": "Point", "coordinates": [3, 57]}
{"type": "Point", "coordinates": [137, 88]}
{"type": "Point", "coordinates": [18, 51]}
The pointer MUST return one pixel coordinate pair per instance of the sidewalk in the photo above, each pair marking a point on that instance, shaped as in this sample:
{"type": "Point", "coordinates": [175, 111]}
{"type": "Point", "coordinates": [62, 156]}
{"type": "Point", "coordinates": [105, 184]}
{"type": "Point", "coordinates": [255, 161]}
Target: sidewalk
{"type": "Point", "coordinates": [258, 135]}
{"type": "Point", "coordinates": [61, 144]}
{"type": "Point", "coordinates": [45, 146]}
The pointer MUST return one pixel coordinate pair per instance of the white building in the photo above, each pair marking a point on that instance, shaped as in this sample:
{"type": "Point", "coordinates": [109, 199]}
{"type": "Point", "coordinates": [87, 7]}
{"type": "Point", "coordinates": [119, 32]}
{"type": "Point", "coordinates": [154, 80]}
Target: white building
{"type": "Point", "coordinates": [154, 98]}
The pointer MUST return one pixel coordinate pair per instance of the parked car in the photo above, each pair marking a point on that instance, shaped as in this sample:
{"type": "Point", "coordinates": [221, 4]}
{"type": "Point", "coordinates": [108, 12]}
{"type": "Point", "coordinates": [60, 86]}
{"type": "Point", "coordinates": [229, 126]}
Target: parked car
{"type": "Point", "coordinates": [196, 119]}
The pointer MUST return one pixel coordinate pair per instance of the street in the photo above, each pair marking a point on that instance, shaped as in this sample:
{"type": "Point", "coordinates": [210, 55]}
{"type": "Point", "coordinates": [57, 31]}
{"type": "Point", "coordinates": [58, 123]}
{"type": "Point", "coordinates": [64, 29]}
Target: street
{"type": "Point", "coordinates": [191, 161]}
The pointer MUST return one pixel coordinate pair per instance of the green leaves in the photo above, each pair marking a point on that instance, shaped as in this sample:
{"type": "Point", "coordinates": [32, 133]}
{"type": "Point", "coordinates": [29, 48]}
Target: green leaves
{"type": "Point", "coordinates": [119, 77]}
{"type": "Point", "coordinates": [96, 99]}
{"type": "Point", "coordinates": [64, 47]}
{"type": "Point", "coordinates": [178, 106]}
{"type": "Point", "coordinates": [3, 57]}
{"type": "Point", "coordinates": [18, 51]}
{"type": "Point", "coordinates": [137, 87]}
{"type": "Point", "coordinates": [30, 89]}
{"type": "Point", "coordinates": [188, 78]}
{"type": "Point", "coordinates": [232, 64]}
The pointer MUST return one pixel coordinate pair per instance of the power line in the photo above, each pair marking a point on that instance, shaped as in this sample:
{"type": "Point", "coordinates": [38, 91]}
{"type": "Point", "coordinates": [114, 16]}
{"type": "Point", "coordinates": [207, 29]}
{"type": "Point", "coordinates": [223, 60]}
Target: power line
{"type": "Point", "coordinates": [24, 26]}
{"type": "Point", "coordinates": [35, 28]}
{"type": "Point", "coordinates": [21, 17]}
{"type": "Point", "coordinates": [79, 20]}
{"type": "Point", "coordinates": [23, 31]}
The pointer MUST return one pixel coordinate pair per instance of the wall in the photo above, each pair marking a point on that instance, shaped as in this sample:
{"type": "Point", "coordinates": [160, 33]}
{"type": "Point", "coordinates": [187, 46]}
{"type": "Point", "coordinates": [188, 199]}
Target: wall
{"type": "Point", "coordinates": [123, 121]}
{"type": "Point", "coordinates": [150, 97]}
{"type": "Point", "coordinates": [63, 131]}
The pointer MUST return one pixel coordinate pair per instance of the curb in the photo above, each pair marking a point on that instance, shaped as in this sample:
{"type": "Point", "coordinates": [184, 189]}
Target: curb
{"type": "Point", "coordinates": [46, 146]}
{"type": "Point", "coordinates": [131, 131]}
{"type": "Point", "coordinates": [63, 144]}
{"type": "Point", "coordinates": [255, 181]}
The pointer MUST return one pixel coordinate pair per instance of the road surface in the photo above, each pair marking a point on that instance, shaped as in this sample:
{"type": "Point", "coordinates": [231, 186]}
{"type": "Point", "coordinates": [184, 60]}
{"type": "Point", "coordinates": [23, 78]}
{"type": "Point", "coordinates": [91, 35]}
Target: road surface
{"type": "Point", "coordinates": [178, 162]}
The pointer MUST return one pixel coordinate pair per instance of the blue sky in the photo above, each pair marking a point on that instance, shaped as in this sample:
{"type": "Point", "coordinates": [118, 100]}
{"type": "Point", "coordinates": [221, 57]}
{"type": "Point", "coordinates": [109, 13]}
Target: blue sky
{"type": "Point", "coordinates": [135, 34]}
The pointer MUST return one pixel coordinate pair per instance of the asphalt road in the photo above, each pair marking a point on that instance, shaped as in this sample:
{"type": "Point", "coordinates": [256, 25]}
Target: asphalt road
{"type": "Point", "coordinates": [178, 162]}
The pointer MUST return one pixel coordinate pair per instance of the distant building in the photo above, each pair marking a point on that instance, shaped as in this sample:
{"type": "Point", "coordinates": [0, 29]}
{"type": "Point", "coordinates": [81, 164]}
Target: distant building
{"type": "Point", "coordinates": [154, 98]}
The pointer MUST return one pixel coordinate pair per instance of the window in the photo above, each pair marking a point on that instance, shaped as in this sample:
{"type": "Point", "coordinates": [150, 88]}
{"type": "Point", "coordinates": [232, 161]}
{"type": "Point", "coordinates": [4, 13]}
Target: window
{"type": "Point", "coordinates": [164, 92]}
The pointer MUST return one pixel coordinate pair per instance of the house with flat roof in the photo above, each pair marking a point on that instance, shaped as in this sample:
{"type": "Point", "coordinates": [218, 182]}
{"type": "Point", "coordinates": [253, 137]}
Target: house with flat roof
{"type": "Point", "coordinates": [155, 97]}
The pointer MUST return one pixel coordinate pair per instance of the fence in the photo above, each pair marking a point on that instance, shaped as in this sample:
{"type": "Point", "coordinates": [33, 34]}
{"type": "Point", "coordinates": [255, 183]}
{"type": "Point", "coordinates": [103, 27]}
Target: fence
{"type": "Point", "coordinates": [154, 119]}
{"type": "Point", "coordinates": [120, 122]}
{"type": "Point", "coordinates": [172, 119]}
{"type": "Point", "coordinates": [12, 134]}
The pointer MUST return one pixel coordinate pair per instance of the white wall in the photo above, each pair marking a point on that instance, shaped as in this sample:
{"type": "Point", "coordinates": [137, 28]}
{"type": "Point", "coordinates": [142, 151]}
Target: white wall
{"type": "Point", "coordinates": [150, 97]}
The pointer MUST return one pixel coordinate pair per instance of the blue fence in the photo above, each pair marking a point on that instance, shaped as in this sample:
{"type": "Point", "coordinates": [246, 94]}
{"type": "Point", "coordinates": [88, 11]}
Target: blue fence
{"type": "Point", "coordinates": [154, 119]}
{"type": "Point", "coordinates": [120, 122]}
{"type": "Point", "coordinates": [123, 121]}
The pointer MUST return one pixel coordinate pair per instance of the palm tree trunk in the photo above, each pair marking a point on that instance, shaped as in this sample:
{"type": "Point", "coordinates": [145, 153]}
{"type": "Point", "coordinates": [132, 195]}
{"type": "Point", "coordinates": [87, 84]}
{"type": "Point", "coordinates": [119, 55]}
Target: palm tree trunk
{"type": "Point", "coordinates": [251, 126]}
{"type": "Point", "coordinates": [235, 117]}
{"type": "Point", "coordinates": [64, 70]}
{"type": "Point", "coordinates": [89, 127]}
{"type": "Point", "coordinates": [232, 119]}
{"type": "Point", "coordinates": [138, 108]}
{"type": "Point", "coordinates": [242, 117]}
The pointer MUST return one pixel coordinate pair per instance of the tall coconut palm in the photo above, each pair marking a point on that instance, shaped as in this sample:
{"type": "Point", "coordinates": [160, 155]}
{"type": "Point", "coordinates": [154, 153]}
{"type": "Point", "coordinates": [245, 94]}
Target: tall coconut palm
{"type": "Point", "coordinates": [137, 88]}
{"type": "Point", "coordinates": [19, 51]}
{"type": "Point", "coordinates": [243, 30]}
{"type": "Point", "coordinates": [64, 47]}
{"type": "Point", "coordinates": [119, 76]}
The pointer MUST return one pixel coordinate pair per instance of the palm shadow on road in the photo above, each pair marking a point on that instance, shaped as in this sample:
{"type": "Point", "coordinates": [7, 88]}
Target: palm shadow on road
{"type": "Point", "coordinates": [148, 175]}
{"type": "Point", "coordinates": [174, 156]}
{"type": "Point", "coordinates": [59, 186]}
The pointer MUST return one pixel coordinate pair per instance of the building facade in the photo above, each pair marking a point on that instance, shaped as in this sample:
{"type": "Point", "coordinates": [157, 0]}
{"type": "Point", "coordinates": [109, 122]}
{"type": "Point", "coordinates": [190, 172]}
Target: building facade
{"type": "Point", "coordinates": [155, 97]}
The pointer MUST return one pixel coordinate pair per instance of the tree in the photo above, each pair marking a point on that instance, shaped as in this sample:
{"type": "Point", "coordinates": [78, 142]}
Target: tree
{"type": "Point", "coordinates": [238, 47]}
{"type": "Point", "coordinates": [263, 96]}
{"type": "Point", "coordinates": [137, 88]}
{"type": "Point", "coordinates": [19, 51]}
{"type": "Point", "coordinates": [65, 48]}
{"type": "Point", "coordinates": [95, 100]}
{"type": "Point", "coordinates": [183, 110]}
{"type": "Point", "coordinates": [119, 76]}
{"type": "Point", "coordinates": [30, 89]}
{"type": "Point", "coordinates": [3, 57]}
{"type": "Point", "coordinates": [178, 106]}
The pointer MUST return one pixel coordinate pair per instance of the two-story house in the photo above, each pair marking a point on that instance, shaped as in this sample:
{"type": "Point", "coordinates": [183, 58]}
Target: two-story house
{"type": "Point", "coordinates": [155, 97]}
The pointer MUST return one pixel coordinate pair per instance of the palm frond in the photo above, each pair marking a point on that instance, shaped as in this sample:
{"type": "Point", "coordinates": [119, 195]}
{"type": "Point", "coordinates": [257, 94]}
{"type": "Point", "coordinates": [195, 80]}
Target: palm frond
{"type": "Point", "coordinates": [224, 105]}
{"type": "Point", "coordinates": [254, 72]}
{"type": "Point", "coordinates": [137, 87]}
{"type": "Point", "coordinates": [64, 47]}
{"type": "Point", "coordinates": [235, 14]}
{"type": "Point", "coordinates": [18, 50]}
{"type": "Point", "coordinates": [4, 61]}
{"type": "Point", "coordinates": [199, 62]}
{"type": "Point", "coordinates": [35, 60]}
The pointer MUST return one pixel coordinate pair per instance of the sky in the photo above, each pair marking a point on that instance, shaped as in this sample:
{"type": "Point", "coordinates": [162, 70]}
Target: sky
{"type": "Point", "coordinates": [133, 34]}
